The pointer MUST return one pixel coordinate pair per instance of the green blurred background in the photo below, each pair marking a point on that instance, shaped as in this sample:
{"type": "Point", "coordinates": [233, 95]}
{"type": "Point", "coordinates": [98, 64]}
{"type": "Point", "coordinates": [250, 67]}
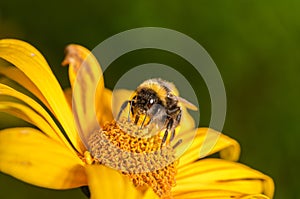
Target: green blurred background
{"type": "Point", "coordinates": [255, 45]}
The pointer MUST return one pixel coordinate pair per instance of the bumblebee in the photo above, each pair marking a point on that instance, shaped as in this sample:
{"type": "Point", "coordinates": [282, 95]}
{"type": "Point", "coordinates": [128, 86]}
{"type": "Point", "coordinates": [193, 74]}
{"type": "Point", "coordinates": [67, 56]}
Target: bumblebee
{"type": "Point", "coordinates": [156, 101]}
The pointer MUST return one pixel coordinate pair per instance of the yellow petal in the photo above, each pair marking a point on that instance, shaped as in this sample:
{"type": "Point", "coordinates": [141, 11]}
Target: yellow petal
{"type": "Point", "coordinates": [118, 98]}
{"type": "Point", "coordinates": [18, 76]}
{"type": "Point", "coordinates": [229, 149]}
{"type": "Point", "coordinates": [218, 174]}
{"type": "Point", "coordinates": [104, 107]}
{"type": "Point", "coordinates": [25, 113]}
{"type": "Point", "coordinates": [30, 156]}
{"type": "Point", "coordinates": [218, 194]}
{"type": "Point", "coordinates": [255, 196]}
{"type": "Point", "coordinates": [34, 114]}
{"type": "Point", "coordinates": [87, 83]}
{"type": "Point", "coordinates": [34, 66]}
{"type": "Point", "coordinates": [187, 122]}
{"type": "Point", "coordinates": [79, 58]}
{"type": "Point", "coordinates": [106, 183]}
{"type": "Point", "coordinates": [149, 194]}
{"type": "Point", "coordinates": [68, 96]}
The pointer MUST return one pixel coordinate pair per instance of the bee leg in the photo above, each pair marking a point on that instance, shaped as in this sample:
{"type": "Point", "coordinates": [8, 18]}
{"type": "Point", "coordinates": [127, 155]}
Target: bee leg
{"type": "Point", "coordinates": [124, 105]}
{"type": "Point", "coordinates": [177, 143]}
{"type": "Point", "coordinates": [137, 117]}
{"type": "Point", "coordinates": [178, 118]}
{"type": "Point", "coordinates": [169, 126]}
{"type": "Point", "coordinates": [172, 135]}
{"type": "Point", "coordinates": [165, 137]}
{"type": "Point", "coordinates": [144, 120]}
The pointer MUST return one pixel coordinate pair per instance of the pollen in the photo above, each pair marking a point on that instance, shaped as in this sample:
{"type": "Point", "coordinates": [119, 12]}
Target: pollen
{"type": "Point", "coordinates": [143, 160]}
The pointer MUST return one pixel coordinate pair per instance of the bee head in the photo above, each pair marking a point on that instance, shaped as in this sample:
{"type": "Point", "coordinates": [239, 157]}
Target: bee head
{"type": "Point", "coordinates": [144, 99]}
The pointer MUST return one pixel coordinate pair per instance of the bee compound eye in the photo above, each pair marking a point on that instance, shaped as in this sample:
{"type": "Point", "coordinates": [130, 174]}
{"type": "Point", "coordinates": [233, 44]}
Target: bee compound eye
{"type": "Point", "coordinates": [151, 101]}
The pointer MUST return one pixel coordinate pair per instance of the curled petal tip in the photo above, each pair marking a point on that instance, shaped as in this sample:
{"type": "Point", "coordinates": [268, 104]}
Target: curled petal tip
{"type": "Point", "coordinates": [72, 55]}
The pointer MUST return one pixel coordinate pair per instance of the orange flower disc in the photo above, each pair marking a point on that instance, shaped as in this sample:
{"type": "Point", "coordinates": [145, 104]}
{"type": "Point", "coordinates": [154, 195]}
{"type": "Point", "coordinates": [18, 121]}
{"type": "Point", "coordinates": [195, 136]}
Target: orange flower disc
{"type": "Point", "coordinates": [143, 160]}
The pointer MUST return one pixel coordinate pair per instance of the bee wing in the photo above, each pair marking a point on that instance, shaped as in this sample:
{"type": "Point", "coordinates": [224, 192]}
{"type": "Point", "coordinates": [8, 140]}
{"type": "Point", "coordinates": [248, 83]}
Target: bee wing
{"type": "Point", "coordinates": [158, 119]}
{"type": "Point", "coordinates": [158, 115]}
{"type": "Point", "coordinates": [187, 104]}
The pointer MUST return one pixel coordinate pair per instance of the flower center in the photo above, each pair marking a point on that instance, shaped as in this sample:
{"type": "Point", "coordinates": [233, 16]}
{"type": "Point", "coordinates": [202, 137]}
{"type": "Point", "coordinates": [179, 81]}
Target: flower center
{"type": "Point", "coordinates": [143, 160]}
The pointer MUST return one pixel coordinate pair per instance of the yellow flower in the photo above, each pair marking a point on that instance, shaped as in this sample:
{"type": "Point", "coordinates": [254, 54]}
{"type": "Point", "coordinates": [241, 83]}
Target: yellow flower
{"type": "Point", "coordinates": [52, 155]}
